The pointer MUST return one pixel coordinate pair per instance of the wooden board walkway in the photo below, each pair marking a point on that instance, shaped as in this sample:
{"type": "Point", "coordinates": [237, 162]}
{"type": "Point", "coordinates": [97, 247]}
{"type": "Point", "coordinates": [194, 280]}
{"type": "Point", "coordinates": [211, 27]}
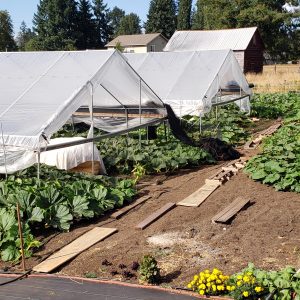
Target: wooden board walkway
{"type": "Point", "coordinates": [200, 195]}
{"type": "Point", "coordinates": [253, 144]}
{"type": "Point", "coordinates": [156, 215]}
{"type": "Point", "coordinates": [68, 252]}
{"type": "Point", "coordinates": [121, 212]}
{"type": "Point", "coordinates": [231, 210]}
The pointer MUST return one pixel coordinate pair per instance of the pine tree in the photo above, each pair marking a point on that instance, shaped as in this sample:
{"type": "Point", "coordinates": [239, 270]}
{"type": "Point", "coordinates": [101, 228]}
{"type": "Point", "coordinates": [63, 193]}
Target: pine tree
{"type": "Point", "coordinates": [24, 36]}
{"type": "Point", "coordinates": [161, 17]}
{"type": "Point", "coordinates": [55, 24]}
{"type": "Point", "coordinates": [86, 27]}
{"type": "Point", "coordinates": [102, 20]}
{"type": "Point", "coordinates": [184, 15]}
{"type": "Point", "coordinates": [116, 15]}
{"type": "Point", "coordinates": [130, 24]}
{"type": "Point", "coordinates": [7, 42]}
{"type": "Point", "coordinates": [197, 16]}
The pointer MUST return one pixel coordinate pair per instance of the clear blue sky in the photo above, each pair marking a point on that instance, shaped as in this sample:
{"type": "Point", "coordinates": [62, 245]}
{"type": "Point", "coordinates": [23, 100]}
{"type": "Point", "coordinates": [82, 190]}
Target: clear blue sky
{"type": "Point", "coordinates": [20, 10]}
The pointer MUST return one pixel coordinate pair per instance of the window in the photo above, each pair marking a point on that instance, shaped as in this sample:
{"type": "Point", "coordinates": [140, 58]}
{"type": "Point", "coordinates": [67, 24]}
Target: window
{"type": "Point", "coordinates": [152, 48]}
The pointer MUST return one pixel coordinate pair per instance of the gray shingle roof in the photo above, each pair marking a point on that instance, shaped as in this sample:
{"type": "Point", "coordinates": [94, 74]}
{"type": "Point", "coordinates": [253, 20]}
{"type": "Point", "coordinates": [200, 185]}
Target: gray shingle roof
{"type": "Point", "coordinates": [134, 40]}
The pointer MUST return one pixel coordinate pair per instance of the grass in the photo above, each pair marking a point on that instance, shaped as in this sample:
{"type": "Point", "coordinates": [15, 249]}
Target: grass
{"type": "Point", "coordinates": [276, 78]}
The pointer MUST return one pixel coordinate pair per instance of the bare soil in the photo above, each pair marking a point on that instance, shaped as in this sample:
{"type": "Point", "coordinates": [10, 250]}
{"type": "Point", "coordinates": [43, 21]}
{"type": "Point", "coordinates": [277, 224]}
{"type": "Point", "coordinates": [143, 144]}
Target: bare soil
{"type": "Point", "coordinates": [185, 241]}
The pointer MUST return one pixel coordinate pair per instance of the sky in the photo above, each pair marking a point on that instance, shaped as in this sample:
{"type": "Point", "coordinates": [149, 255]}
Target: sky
{"type": "Point", "coordinates": [20, 10]}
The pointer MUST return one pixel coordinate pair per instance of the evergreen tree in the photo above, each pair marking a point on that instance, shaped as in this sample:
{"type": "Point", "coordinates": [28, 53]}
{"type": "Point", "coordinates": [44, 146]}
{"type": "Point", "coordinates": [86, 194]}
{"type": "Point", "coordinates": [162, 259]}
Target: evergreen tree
{"type": "Point", "coordinates": [116, 16]}
{"type": "Point", "coordinates": [86, 26]}
{"type": "Point", "coordinates": [24, 36]}
{"type": "Point", "coordinates": [161, 17]}
{"type": "Point", "coordinates": [55, 24]}
{"type": "Point", "coordinates": [7, 42]}
{"type": "Point", "coordinates": [197, 16]}
{"type": "Point", "coordinates": [184, 15]}
{"type": "Point", "coordinates": [102, 20]}
{"type": "Point", "coordinates": [130, 24]}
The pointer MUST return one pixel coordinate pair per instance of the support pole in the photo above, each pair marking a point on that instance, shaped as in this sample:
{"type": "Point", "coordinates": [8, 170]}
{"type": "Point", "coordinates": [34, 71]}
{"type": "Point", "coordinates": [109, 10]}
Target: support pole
{"type": "Point", "coordinates": [4, 152]}
{"type": "Point", "coordinates": [21, 238]}
{"type": "Point", "coordinates": [92, 125]}
{"type": "Point", "coordinates": [140, 113]}
{"type": "Point", "coordinates": [39, 165]}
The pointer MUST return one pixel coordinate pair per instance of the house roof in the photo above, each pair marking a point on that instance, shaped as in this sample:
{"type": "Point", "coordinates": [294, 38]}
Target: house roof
{"type": "Point", "coordinates": [194, 40]}
{"type": "Point", "coordinates": [134, 39]}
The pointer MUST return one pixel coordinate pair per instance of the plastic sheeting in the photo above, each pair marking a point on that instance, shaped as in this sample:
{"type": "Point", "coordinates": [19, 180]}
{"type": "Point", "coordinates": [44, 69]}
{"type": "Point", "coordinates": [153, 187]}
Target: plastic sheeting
{"type": "Point", "coordinates": [41, 90]}
{"type": "Point", "coordinates": [191, 82]}
{"type": "Point", "coordinates": [70, 157]}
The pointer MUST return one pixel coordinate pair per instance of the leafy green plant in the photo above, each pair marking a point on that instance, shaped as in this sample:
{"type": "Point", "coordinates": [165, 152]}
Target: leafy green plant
{"type": "Point", "coordinates": [272, 106]}
{"type": "Point", "coordinates": [279, 162]}
{"type": "Point", "coordinates": [148, 270]}
{"type": "Point", "coordinates": [58, 200]}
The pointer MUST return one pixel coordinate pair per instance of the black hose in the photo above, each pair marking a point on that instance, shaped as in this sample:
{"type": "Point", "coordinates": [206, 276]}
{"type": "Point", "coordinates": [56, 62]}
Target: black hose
{"type": "Point", "coordinates": [16, 278]}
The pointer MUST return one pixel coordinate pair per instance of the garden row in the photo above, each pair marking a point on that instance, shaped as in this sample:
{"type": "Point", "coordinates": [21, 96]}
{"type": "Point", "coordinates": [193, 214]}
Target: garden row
{"type": "Point", "coordinates": [279, 162]}
{"type": "Point", "coordinates": [250, 283]}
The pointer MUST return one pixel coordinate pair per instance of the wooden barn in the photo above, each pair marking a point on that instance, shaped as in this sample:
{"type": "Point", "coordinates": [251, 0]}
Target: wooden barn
{"type": "Point", "coordinates": [246, 44]}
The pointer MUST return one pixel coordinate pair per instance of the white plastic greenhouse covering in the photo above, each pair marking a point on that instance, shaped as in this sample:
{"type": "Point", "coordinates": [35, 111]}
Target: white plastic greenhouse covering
{"type": "Point", "coordinates": [192, 82]}
{"type": "Point", "coordinates": [41, 90]}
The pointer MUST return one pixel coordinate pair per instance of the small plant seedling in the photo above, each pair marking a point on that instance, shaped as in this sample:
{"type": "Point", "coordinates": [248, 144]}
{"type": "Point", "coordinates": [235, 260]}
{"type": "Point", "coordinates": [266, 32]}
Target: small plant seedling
{"type": "Point", "coordinates": [148, 270]}
{"type": "Point", "coordinates": [90, 275]}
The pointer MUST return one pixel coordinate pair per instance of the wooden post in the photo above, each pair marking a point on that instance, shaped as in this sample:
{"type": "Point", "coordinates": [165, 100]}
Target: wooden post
{"type": "Point", "coordinates": [21, 238]}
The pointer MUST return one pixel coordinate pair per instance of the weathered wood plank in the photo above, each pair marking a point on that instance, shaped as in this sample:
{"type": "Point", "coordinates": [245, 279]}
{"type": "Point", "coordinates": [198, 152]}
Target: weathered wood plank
{"type": "Point", "coordinates": [121, 212]}
{"type": "Point", "coordinates": [156, 215]}
{"type": "Point", "coordinates": [198, 197]}
{"type": "Point", "coordinates": [68, 252]}
{"type": "Point", "coordinates": [232, 209]}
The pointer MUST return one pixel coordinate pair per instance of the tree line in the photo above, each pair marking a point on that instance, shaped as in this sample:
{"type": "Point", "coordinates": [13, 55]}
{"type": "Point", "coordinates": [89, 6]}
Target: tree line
{"type": "Point", "coordinates": [90, 24]}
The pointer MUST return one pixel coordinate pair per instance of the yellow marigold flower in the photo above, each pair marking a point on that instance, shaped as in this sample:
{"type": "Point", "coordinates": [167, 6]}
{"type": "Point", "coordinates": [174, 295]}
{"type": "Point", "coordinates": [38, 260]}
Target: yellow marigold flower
{"type": "Point", "coordinates": [218, 281]}
{"type": "Point", "coordinates": [245, 294]}
{"type": "Point", "coordinates": [258, 289]}
{"type": "Point", "coordinates": [239, 283]}
{"type": "Point", "coordinates": [202, 286]}
{"type": "Point", "coordinates": [208, 284]}
{"type": "Point", "coordinates": [214, 287]}
{"type": "Point", "coordinates": [201, 292]}
{"type": "Point", "coordinates": [249, 273]}
{"type": "Point", "coordinates": [239, 277]}
{"type": "Point", "coordinates": [196, 277]}
{"type": "Point", "coordinates": [228, 288]}
{"type": "Point", "coordinates": [219, 287]}
{"type": "Point", "coordinates": [232, 287]}
{"type": "Point", "coordinates": [201, 274]}
{"type": "Point", "coordinates": [246, 279]}
{"type": "Point", "coordinates": [208, 279]}
{"type": "Point", "coordinates": [216, 271]}
{"type": "Point", "coordinates": [221, 277]}
{"type": "Point", "coordinates": [206, 271]}
{"type": "Point", "coordinates": [189, 286]}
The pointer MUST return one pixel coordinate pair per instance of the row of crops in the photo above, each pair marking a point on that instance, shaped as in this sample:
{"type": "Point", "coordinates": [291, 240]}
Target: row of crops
{"type": "Point", "coordinates": [59, 199]}
{"type": "Point", "coordinates": [279, 162]}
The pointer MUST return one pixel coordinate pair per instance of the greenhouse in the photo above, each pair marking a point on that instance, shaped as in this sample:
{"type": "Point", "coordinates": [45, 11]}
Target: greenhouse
{"type": "Point", "coordinates": [193, 82]}
{"type": "Point", "coordinates": [41, 91]}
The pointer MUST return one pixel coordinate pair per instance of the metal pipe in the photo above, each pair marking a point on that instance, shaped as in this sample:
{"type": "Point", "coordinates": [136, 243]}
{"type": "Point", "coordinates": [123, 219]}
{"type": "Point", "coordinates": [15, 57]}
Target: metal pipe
{"type": "Point", "coordinates": [4, 152]}
{"type": "Point", "coordinates": [92, 123]}
{"type": "Point", "coordinates": [104, 136]}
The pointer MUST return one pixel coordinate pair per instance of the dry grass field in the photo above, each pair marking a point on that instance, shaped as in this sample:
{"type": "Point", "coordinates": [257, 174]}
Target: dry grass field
{"type": "Point", "coordinates": [276, 78]}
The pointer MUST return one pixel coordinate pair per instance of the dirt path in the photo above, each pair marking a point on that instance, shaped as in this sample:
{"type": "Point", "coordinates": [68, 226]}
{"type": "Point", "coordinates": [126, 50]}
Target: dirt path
{"type": "Point", "coordinates": [185, 240]}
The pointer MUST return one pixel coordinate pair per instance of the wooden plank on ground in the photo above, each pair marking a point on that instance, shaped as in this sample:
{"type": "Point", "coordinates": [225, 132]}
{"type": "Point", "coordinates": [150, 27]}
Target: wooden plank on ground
{"type": "Point", "coordinates": [121, 212]}
{"type": "Point", "coordinates": [156, 215]}
{"type": "Point", "coordinates": [232, 209]}
{"type": "Point", "coordinates": [200, 195]}
{"type": "Point", "coordinates": [68, 252]}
